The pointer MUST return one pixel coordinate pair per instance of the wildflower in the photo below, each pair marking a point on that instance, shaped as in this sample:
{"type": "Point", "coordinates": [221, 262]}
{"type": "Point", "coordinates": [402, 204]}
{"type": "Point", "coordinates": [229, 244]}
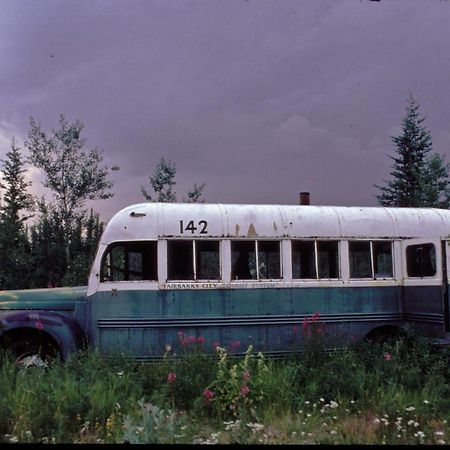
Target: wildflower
{"type": "Point", "coordinates": [208, 394]}
{"type": "Point", "coordinates": [410, 408]}
{"type": "Point", "coordinates": [244, 390]}
{"type": "Point", "coordinates": [439, 433]}
{"type": "Point", "coordinates": [168, 348]}
{"type": "Point", "coordinates": [120, 373]}
{"type": "Point", "coordinates": [246, 375]}
{"type": "Point", "coordinates": [295, 330]}
{"type": "Point", "coordinates": [200, 340]}
{"type": "Point", "coordinates": [387, 356]}
{"type": "Point", "coordinates": [216, 346]}
{"type": "Point", "coordinates": [440, 441]}
{"type": "Point", "coordinates": [171, 377]}
{"type": "Point", "coordinates": [234, 345]}
{"type": "Point", "coordinates": [426, 402]}
{"type": "Point", "coordinates": [333, 404]}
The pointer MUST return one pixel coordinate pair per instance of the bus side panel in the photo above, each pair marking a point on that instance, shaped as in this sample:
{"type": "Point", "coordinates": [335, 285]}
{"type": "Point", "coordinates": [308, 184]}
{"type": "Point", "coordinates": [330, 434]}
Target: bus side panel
{"type": "Point", "coordinates": [143, 324]}
{"type": "Point", "coordinates": [424, 309]}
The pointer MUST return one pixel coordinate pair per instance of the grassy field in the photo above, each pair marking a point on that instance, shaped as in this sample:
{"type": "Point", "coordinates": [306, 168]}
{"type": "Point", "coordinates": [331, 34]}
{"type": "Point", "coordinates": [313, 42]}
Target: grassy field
{"type": "Point", "coordinates": [396, 393]}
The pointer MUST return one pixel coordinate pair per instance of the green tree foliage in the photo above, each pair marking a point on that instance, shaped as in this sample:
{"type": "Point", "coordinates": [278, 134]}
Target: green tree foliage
{"type": "Point", "coordinates": [14, 245]}
{"type": "Point", "coordinates": [162, 182]}
{"type": "Point", "coordinates": [48, 253]}
{"type": "Point", "coordinates": [47, 247]}
{"type": "Point", "coordinates": [72, 174]}
{"type": "Point", "coordinates": [418, 176]}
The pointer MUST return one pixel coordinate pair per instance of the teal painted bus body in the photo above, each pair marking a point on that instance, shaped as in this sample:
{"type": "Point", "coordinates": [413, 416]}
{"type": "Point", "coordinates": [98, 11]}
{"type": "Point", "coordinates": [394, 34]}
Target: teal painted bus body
{"type": "Point", "coordinates": [142, 323]}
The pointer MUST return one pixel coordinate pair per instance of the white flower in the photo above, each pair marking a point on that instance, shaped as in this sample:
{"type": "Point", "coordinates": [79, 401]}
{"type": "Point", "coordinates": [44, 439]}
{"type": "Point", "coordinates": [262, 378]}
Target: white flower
{"type": "Point", "coordinates": [439, 433]}
{"type": "Point", "coordinates": [410, 408]}
{"type": "Point", "coordinates": [333, 404]}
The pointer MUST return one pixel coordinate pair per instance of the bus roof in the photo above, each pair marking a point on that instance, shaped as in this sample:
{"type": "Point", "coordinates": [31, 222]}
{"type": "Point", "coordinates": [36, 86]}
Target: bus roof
{"type": "Point", "coordinates": [150, 221]}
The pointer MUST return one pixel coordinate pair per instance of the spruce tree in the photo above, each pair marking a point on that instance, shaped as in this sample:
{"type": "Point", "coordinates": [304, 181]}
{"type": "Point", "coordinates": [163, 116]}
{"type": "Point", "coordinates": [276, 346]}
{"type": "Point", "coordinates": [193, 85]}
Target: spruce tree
{"type": "Point", "coordinates": [418, 177]}
{"type": "Point", "coordinates": [17, 203]}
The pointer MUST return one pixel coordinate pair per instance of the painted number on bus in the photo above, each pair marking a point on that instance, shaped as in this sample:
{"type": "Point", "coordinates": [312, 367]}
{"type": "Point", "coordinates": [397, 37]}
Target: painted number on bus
{"type": "Point", "coordinates": [202, 226]}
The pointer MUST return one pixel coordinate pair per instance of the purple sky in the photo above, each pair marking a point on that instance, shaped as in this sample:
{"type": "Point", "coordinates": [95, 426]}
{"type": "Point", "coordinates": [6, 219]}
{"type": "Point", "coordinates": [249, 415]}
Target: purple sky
{"type": "Point", "coordinates": [260, 99]}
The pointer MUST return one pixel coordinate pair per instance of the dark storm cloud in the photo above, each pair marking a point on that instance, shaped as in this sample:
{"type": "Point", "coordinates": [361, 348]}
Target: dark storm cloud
{"type": "Point", "coordinates": [259, 99]}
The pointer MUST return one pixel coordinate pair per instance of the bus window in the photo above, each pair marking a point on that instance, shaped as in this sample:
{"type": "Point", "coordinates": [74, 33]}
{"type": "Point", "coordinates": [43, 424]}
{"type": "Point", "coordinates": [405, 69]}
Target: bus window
{"type": "Point", "coordinates": [382, 259]}
{"type": "Point", "coordinates": [421, 260]}
{"type": "Point", "coordinates": [180, 260]}
{"type": "Point", "coordinates": [328, 259]}
{"type": "Point", "coordinates": [370, 259]}
{"type": "Point", "coordinates": [255, 260]}
{"type": "Point", "coordinates": [305, 264]}
{"type": "Point", "coordinates": [243, 260]}
{"type": "Point", "coordinates": [360, 259]}
{"type": "Point", "coordinates": [269, 260]}
{"type": "Point", "coordinates": [129, 261]}
{"type": "Point", "coordinates": [185, 255]}
{"type": "Point", "coordinates": [303, 260]}
{"type": "Point", "coordinates": [207, 260]}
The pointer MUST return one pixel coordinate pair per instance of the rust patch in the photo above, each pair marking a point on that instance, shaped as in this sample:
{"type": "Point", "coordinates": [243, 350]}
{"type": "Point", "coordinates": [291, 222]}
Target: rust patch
{"type": "Point", "coordinates": [275, 227]}
{"type": "Point", "coordinates": [252, 231]}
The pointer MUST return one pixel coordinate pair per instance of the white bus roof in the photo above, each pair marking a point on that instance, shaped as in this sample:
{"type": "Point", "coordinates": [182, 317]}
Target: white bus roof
{"type": "Point", "coordinates": [150, 221]}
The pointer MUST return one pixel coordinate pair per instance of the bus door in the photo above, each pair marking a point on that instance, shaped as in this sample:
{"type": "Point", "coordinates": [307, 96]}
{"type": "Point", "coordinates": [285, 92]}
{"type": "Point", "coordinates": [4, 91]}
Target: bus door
{"type": "Point", "coordinates": [425, 285]}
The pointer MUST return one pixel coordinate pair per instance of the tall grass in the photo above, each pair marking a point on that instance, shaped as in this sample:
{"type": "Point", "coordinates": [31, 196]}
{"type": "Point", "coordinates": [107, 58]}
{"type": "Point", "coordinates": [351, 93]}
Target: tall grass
{"type": "Point", "coordinates": [397, 393]}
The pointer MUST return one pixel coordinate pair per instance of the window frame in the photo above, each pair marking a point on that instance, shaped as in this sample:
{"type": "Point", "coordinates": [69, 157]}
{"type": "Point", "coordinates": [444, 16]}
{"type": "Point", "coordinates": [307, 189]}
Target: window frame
{"type": "Point", "coordinates": [316, 259]}
{"type": "Point", "coordinates": [194, 261]}
{"type": "Point", "coordinates": [372, 260]}
{"type": "Point", "coordinates": [107, 253]}
{"type": "Point", "coordinates": [256, 249]}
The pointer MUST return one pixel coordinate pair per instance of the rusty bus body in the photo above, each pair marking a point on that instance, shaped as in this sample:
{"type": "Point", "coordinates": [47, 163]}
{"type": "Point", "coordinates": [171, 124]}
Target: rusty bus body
{"type": "Point", "coordinates": [247, 274]}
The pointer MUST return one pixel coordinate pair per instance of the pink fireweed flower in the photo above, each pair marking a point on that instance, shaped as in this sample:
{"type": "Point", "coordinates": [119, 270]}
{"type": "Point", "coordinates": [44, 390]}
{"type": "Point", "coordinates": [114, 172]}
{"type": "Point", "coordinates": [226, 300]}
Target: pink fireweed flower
{"type": "Point", "coordinates": [171, 377]}
{"type": "Point", "coordinates": [234, 345]}
{"type": "Point", "coordinates": [310, 325]}
{"type": "Point", "coordinates": [246, 375]}
{"type": "Point", "coordinates": [39, 324]}
{"type": "Point", "coordinates": [244, 390]}
{"type": "Point", "coordinates": [200, 340]}
{"type": "Point", "coordinates": [295, 330]}
{"type": "Point", "coordinates": [387, 357]}
{"type": "Point", "coordinates": [208, 394]}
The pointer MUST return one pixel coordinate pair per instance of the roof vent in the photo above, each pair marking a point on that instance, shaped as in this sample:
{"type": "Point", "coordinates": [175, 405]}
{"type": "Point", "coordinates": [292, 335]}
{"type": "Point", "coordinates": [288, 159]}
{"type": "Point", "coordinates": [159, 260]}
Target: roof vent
{"type": "Point", "coordinates": [304, 198]}
{"type": "Point", "coordinates": [137, 214]}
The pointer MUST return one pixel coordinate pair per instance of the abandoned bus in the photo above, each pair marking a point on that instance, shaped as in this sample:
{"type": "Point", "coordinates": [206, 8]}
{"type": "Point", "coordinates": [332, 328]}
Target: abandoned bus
{"type": "Point", "coordinates": [245, 275]}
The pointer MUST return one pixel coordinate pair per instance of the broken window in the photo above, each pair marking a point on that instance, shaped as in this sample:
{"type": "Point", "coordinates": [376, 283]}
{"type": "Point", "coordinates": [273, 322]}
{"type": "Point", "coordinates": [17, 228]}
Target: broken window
{"type": "Point", "coordinates": [130, 261]}
{"type": "Point", "coordinates": [421, 260]}
{"type": "Point", "coordinates": [370, 259]}
{"type": "Point", "coordinates": [315, 259]}
{"type": "Point", "coordinates": [255, 260]}
{"type": "Point", "coordinates": [193, 260]}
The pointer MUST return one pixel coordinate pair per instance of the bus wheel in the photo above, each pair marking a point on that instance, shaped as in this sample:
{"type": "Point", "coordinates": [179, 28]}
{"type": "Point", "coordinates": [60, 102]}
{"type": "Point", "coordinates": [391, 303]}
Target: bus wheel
{"type": "Point", "coordinates": [382, 335]}
{"type": "Point", "coordinates": [28, 351]}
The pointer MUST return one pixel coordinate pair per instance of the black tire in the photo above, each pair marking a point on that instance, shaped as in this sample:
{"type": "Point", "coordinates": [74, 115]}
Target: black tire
{"type": "Point", "coordinates": [30, 350]}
